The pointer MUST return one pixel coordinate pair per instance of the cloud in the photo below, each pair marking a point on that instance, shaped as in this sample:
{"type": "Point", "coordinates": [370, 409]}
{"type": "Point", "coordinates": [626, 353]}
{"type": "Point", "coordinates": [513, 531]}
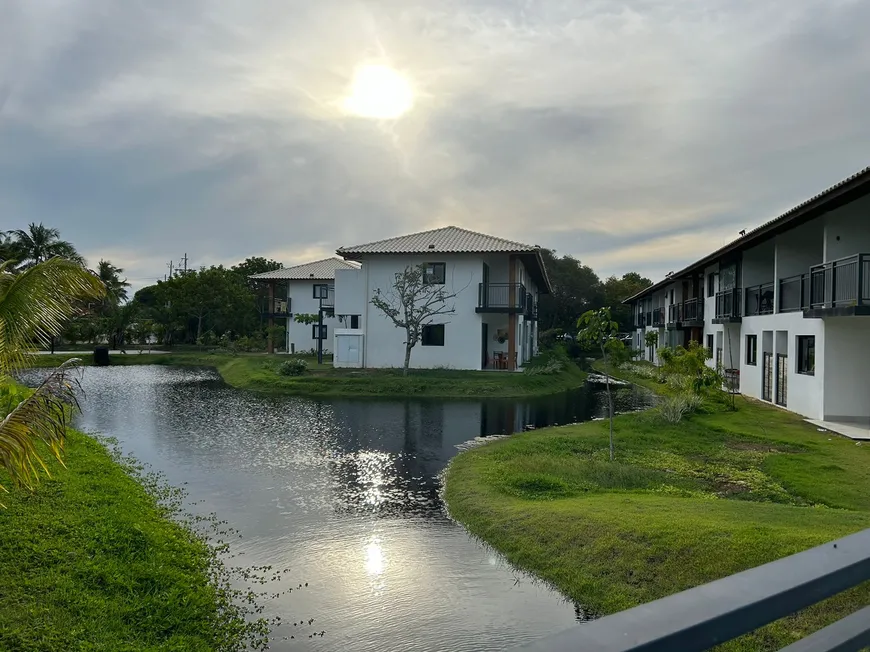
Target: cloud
{"type": "Point", "coordinates": [595, 128]}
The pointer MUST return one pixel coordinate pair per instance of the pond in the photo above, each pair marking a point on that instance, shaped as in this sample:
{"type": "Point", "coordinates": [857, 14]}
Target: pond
{"type": "Point", "coordinates": [345, 493]}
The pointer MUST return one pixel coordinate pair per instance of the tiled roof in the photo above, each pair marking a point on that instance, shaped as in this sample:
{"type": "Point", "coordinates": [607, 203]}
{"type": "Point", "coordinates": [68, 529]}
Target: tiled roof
{"type": "Point", "coordinates": [807, 210]}
{"type": "Point", "coordinates": [319, 270]}
{"type": "Point", "coordinates": [446, 240]}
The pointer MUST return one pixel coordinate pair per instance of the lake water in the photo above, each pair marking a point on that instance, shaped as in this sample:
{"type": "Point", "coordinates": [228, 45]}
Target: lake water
{"type": "Point", "coordinates": [345, 494]}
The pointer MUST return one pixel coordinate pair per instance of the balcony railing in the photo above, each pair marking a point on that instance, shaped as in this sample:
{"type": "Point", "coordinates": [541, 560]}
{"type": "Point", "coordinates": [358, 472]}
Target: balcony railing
{"type": "Point", "coordinates": [759, 300]}
{"type": "Point", "coordinates": [640, 320]}
{"type": "Point", "coordinates": [501, 297]}
{"type": "Point", "coordinates": [675, 313]}
{"type": "Point", "coordinates": [658, 317]}
{"type": "Point", "coordinates": [840, 283]}
{"type": "Point", "coordinates": [728, 304]}
{"type": "Point", "coordinates": [693, 310]}
{"type": "Point", "coordinates": [706, 616]}
{"type": "Point", "coordinates": [794, 293]}
{"type": "Point", "coordinates": [277, 307]}
{"type": "Point", "coordinates": [531, 311]}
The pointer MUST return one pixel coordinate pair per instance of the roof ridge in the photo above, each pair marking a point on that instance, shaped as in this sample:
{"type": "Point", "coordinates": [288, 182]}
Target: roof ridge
{"type": "Point", "coordinates": [321, 260]}
{"type": "Point", "coordinates": [396, 237]}
{"type": "Point", "coordinates": [516, 243]}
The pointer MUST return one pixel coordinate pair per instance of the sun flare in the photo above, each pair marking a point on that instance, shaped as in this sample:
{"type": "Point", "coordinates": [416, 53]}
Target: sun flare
{"type": "Point", "coordinates": [379, 92]}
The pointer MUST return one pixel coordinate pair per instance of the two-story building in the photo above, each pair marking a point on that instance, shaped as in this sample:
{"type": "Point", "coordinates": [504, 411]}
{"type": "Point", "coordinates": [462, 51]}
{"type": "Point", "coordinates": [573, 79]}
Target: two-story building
{"type": "Point", "coordinates": [310, 289]}
{"type": "Point", "coordinates": [785, 308]}
{"type": "Point", "coordinates": [493, 318]}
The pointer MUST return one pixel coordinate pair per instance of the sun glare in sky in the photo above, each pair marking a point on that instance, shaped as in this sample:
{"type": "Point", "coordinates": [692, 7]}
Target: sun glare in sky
{"type": "Point", "coordinates": [379, 92]}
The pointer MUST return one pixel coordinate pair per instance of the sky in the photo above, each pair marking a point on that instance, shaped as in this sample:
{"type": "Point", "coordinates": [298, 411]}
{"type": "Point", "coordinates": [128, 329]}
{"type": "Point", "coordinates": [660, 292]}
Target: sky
{"type": "Point", "coordinates": [635, 135]}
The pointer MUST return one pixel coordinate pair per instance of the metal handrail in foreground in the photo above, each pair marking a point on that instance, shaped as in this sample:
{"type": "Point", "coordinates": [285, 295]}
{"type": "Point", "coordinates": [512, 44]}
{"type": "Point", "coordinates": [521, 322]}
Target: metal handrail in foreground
{"type": "Point", "coordinates": [703, 617]}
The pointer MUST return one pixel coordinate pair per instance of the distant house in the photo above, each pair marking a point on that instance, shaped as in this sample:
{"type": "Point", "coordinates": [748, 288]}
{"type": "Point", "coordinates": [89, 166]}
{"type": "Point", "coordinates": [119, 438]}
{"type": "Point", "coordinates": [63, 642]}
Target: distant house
{"type": "Point", "coordinates": [784, 308]}
{"type": "Point", "coordinates": [309, 287]}
{"type": "Point", "coordinates": [494, 326]}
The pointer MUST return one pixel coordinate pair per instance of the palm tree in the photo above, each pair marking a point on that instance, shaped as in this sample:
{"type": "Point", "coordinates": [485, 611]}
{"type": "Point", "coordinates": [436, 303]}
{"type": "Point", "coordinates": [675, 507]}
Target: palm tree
{"type": "Point", "coordinates": [116, 289]}
{"type": "Point", "coordinates": [34, 304]}
{"type": "Point", "coordinates": [7, 247]}
{"type": "Point", "coordinates": [39, 243]}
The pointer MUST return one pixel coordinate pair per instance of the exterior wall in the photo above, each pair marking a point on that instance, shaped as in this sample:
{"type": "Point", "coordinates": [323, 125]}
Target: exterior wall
{"type": "Point", "coordinates": [384, 343]}
{"type": "Point", "coordinates": [844, 365]}
{"type": "Point", "coordinates": [847, 230]}
{"type": "Point", "coordinates": [351, 295]}
{"type": "Point", "coordinates": [302, 301]}
{"type": "Point", "coordinates": [758, 265]}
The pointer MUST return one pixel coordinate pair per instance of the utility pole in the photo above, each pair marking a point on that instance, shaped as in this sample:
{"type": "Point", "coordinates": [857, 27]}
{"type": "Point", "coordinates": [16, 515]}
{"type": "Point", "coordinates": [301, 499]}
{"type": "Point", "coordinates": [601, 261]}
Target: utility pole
{"type": "Point", "coordinates": [170, 270]}
{"type": "Point", "coordinates": [184, 260]}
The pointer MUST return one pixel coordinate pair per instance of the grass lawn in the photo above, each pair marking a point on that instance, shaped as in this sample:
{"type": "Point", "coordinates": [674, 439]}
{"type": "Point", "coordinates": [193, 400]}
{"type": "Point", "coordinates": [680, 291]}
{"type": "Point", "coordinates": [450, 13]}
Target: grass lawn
{"type": "Point", "coordinates": [90, 562]}
{"type": "Point", "coordinates": [259, 372]}
{"type": "Point", "coordinates": [684, 504]}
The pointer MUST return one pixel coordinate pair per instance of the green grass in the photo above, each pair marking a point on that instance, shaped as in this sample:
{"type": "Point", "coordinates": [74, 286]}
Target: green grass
{"type": "Point", "coordinates": [88, 561]}
{"type": "Point", "coordinates": [683, 505]}
{"type": "Point", "coordinates": [259, 372]}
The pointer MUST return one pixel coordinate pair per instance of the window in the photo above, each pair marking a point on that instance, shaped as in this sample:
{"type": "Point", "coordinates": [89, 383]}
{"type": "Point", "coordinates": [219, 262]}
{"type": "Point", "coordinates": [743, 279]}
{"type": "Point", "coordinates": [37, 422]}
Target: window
{"type": "Point", "coordinates": [314, 332]}
{"type": "Point", "coordinates": [321, 291]}
{"type": "Point", "coordinates": [806, 349]}
{"type": "Point", "coordinates": [711, 285]}
{"type": "Point", "coordinates": [435, 273]}
{"type": "Point", "coordinates": [354, 321]}
{"type": "Point", "coordinates": [433, 335]}
{"type": "Point", "coordinates": [752, 349]}
{"type": "Point", "coordinates": [710, 345]}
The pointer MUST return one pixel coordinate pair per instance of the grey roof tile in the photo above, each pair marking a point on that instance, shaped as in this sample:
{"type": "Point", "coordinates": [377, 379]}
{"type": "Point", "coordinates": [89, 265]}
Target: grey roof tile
{"type": "Point", "coordinates": [446, 240]}
{"type": "Point", "coordinates": [319, 270]}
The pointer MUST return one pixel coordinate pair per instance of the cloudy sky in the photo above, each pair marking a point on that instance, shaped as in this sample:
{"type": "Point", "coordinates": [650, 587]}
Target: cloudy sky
{"type": "Point", "coordinates": [636, 135]}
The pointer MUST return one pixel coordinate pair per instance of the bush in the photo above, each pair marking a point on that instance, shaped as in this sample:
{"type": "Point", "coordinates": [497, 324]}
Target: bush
{"type": "Point", "coordinates": [672, 409]}
{"type": "Point", "coordinates": [293, 367]}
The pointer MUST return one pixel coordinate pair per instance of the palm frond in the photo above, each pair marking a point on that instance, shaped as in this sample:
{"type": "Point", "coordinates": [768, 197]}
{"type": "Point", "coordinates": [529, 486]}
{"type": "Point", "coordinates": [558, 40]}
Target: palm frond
{"type": "Point", "coordinates": [41, 417]}
{"type": "Point", "coordinates": [35, 304]}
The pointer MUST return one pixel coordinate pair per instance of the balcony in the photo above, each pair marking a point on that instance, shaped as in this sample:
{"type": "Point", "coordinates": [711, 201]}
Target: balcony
{"type": "Point", "coordinates": [728, 303]}
{"type": "Point", "coordinates": [840, 287]}
{"type": "Point", "coordinates": [531, 311]}
{"type": "Point", "coordinates": [759, 300]}
{"type": "Point", "coordinates": [501, 297]}
{"type": "Point", "coordinates": [794, 293]}
{"type": "Point", "coordinates": [640, 321]}
{"type": "Point", "coordinates": [658, 317]}
{"type": "Point", "coordinates": [693, 312]}
{"type": "Point", "coordinates": [276, 308]}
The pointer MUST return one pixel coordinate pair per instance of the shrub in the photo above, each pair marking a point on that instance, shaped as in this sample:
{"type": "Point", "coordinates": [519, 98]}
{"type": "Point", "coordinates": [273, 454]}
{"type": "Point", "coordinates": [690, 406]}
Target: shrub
{"type": "Point", "coordinates": [547, 367]}
{"type": "Point", "coordinates": [293, 367]}
{"type": "Point", "coordinates": [672, 409]}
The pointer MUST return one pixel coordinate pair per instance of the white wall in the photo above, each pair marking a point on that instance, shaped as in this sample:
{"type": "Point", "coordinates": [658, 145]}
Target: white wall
{"type": "Point", "coordinates": [302, 301]}
{"type": "Point", "coordinates": [384, 343]}
{"type": "Point", "coordinates": [799, 249]}
{"type": "Point", "coordinates": [851, 224]}
{"type": "Point", "coordinates": [846, 361]}
{"type": "Point", "coordinates": [350, 292]}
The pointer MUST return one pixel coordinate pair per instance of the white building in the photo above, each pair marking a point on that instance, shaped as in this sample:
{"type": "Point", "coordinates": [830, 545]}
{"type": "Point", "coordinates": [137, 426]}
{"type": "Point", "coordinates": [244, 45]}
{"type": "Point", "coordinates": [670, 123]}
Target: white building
{"type": "Point", "coordinates": [309, 287]}
{"type": "Point", "coordinates": [786, 306]}
{"type": "Point", "coordinates": [494, 320]}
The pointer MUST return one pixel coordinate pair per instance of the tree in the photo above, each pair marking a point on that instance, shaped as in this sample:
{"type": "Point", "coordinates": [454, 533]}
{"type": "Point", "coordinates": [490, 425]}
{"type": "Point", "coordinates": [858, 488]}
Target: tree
{"type": "Point", "coordinates": [34, 305]}
{"type": "Point", "coordinates": [651, 339]}
{"type": "Point", "coordinates": [411, 303]}
{"type": "Point", "coordinates": [7, 248]}
{"type": "Point", "coordinates": [39, 243]}
{"type": "Point", "coordinates": [598, 328]}
{"type": "Point", "coordinates": [576, 288]}
{"type": "Point", "coordinates": [616, 290]}
{"type": "Point", "coordinates": [116, 288]}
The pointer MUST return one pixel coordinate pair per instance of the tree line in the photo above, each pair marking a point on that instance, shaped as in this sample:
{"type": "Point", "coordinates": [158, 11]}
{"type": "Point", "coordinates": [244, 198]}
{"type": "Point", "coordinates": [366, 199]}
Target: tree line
{"type": "Point", "coordinates": [217, 304]}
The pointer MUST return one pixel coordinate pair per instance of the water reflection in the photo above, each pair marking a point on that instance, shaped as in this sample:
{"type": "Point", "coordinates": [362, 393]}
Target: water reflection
{"type": "Point", "coordinates": [345, 493]}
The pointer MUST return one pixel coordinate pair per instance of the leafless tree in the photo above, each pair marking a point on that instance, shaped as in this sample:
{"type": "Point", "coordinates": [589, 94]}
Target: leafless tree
{"type": "Point", "coordinates": [411, 303]}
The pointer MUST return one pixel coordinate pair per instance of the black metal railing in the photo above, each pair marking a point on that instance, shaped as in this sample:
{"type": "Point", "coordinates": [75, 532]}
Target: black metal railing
{"type": "Point", "coordinates": [501, 296]}
{"type": "Point", "coordinates": [842, 282]}
{"type": "Point", "coordinates": [693, 310]}
{"type": "Point", "coordinates": [277, 307]}
{"type": "Point", "coordinates": [658, 317]}
{"type": "Point", "coordinates": [704, 617]}
{"type": "Point", "coordinates": [675, 313]}
{"type": "Point", "coordinates": [531, 310]}
{"type": "Point", "coordinates": [728, 304]}
{"type": "Point", "coordinates": [328, 301]}
{"type": "Point", "coordinates": [794, 293]}
{"type": "Point", "coordinates": [759, 300]}
{"type": "Point", "coordinates": [649, 318]}
{"type": "Point", "coordinates": [640, 320]}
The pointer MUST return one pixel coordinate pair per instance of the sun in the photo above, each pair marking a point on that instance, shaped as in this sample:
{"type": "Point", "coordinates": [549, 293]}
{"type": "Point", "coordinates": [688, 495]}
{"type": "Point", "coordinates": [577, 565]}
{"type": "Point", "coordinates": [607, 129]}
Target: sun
{"type": "Point", "coordinates": [379, 92]}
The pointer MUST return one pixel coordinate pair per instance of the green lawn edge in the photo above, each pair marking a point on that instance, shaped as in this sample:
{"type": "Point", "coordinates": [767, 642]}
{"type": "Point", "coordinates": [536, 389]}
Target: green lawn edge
{"type": "Point", "coordinates": [259, 373]}
{"type": "Point", "coordinates": [90, 561]}
{"type": "Point", "coordinates": [683, 505]}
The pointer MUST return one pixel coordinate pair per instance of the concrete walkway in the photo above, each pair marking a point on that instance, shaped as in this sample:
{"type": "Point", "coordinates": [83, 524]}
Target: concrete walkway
{"type": "Point", "coordinates": [81, 354]}
{"type": "Point", "coordinates": [858, 431]}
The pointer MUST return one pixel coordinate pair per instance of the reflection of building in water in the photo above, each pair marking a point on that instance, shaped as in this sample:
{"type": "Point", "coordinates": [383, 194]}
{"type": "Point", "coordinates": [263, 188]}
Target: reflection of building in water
{"type": "Point", "coordinates": [386, 455]}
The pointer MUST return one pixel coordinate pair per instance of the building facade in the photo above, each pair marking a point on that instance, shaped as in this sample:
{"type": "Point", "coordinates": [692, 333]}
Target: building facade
{"type": "Point", "coordinates": [494, 283]}
{"type": "Point", "coordinates": [785, 308]}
